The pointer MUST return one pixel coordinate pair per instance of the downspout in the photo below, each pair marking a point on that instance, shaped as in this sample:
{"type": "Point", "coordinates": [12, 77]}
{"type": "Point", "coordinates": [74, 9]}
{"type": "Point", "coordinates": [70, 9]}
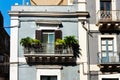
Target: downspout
{"type": "Point", "coordinates": [88, 50]}
{"type": "Point", "coordinates": [19, 22]}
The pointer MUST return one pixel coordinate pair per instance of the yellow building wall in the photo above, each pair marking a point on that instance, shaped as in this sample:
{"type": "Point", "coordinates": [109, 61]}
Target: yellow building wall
{"type": "Point", "coordinates": [49, 2]}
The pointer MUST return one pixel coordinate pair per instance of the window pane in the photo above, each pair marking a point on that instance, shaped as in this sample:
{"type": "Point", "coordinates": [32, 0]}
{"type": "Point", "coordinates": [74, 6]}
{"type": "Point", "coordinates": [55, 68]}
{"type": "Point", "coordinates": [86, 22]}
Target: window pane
{"type": "Point", "coordinates": [48, 77]}
{"type": "Point", "coordinates": [110, 53]}
{"type": "Point", "coordinates": [51, 38]}
{"type": "Point", "coordinates": [103, 42]}
{"type": "Point", "coordinates": [44, 78]}
{"type": "Point", "coordinates": [110, 48]}
{"type": "Point", "coordinates": [53, 78]}
{"type": "Point", "coordinates": [101, 6]}
{"type": "Point", "coordinates": [108, 5]}
{"type": "Point", "coordinates": [103, 48]}
{"type": "Point", "coordinates": [110, 41]}
{"type": "Point", "coordinates": [104, 54]}
{"type": "Point", "coordinates": [105, 5]}
{"type": "Point", "coordinates": [45, 38]}
{"type": "Point", "coordinates": [110, 79]}
{"type": "Point", "coordinates": [107, 46]}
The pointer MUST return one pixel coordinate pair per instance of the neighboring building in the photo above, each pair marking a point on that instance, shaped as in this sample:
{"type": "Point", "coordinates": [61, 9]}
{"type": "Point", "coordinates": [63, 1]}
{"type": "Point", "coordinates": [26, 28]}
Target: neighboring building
{"type": "Point", "coordinates": [47, 23]}
{"type": "Point", "coordinates": [4, 51]}
{"type": "Point", "coordinates": [104, 40]}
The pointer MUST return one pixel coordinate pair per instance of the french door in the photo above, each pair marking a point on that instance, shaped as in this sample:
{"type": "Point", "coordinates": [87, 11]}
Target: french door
{"type": "Point", "coordinates": [105, 7]}
{"type": "Point", "coordinates": [48, 40]}
{"type": "Point", "coordinates": [107, 49]}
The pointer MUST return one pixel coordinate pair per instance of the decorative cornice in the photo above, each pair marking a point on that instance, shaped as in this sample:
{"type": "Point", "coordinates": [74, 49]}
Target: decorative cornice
{"type": "Point", "coordinates": [48, 14]}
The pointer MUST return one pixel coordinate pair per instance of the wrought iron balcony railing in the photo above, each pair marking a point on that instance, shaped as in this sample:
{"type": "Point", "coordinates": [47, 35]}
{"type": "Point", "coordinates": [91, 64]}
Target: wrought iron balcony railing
{"type": "Point", "coordinates": [113, 15]}
{"type": "Point", "coordinates": [49, 54]}
{"type": "Point", "coordinates": [108, 58]}
{"type": "Point", "coordinates": [45, 49]}
{"type": "Point", "coordinates": [109, 62]}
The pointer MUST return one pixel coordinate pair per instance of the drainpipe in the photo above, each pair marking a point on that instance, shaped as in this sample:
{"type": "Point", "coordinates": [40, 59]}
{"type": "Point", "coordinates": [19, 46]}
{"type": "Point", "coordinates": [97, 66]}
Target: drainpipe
{"type": "Point", "coordinates": [88, 50]}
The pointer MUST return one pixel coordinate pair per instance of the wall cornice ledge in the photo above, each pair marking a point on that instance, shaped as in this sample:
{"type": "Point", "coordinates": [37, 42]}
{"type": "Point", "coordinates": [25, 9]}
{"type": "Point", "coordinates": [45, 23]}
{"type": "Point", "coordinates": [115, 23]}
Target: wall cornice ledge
{"type": "Point", "coordinates": [48, 14]}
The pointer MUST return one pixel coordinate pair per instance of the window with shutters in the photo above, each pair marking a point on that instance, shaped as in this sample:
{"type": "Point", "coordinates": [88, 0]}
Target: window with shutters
{"type": "Point", "coordinates": [48, 37]}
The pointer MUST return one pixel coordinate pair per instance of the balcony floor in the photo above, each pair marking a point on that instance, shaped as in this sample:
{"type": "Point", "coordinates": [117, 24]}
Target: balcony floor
{"type": "Point", "coordinates": [109, 67]}
{"type": "Point", "coordinates": [45, 59]}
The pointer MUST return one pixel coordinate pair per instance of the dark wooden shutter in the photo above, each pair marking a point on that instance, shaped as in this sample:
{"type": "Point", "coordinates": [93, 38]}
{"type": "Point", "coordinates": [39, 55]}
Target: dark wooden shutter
{"type": "Point", "coordinates": [39, 34]}
{"type": "Point", "coordinates": [58, 34]}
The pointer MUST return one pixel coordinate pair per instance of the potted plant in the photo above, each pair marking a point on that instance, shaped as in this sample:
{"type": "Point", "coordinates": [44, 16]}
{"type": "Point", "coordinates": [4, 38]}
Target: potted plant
{"type": "Point", "coordinates": [36, 45]}
{"type": "Point", "coordinates": [72, 45]}
{"type": "Point", "coordinates": [36, 42]}
{"type": "Point", "coordinates": [69, 40]}
{"type": "Point", "coordinates": [59, 44]}
{"type": "Point", "coordinates": [26, 42]}
{"type": "Point", "coordinates": [30, 43]}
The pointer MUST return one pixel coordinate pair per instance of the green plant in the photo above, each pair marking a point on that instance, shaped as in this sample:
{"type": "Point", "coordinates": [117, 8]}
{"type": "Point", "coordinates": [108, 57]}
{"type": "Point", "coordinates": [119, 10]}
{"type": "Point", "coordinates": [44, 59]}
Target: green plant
{"type": "Point", "coordinates": [72, 43]}
{"type": "Point", "coordinates": [59, 42]}
{"type": "Point", "coordinates": [70, 40]}
{"type": "Point", "coordinates": [26, 42]}
{"type": "Point", "coordinates": [36, 41]}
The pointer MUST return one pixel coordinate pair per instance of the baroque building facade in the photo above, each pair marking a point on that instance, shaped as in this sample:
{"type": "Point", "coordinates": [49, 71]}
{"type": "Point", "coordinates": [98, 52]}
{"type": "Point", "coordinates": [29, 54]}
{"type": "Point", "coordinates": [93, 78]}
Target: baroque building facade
{"type": "Point", "coordinates": [95, 24]}
{"type": "Point", "coordinates": [47, 23]}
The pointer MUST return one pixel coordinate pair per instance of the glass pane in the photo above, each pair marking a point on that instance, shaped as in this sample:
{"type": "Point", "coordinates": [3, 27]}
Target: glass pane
{"type": "Point", "coordinates": [108, 5]}
{"type": "Point", "coordinates": [48, 77]}
{"type": "Point", "coordinates": [44, 78]}
{"type": "Point", "coordinates": [101, 6]}
{"type": "Point", "coordinates": [45, 38]}
{"type": "Point", "coordinates": [110, 53]}
{"type": "Point", "coordinates": [51, 38]}
{"type": "Point", "coordinates": [104, 59]}
{"type": "Point", "coordinates": [103, 48]}
{"type": "Point", "coordinates": [110, 48]}
{"type": "Point", "coordinates": [50, 48]}
{"type": "Point", "coordinates": [110, 79]}
{"type": "Point", "coordinates": [110, 41]}
{"type": "Point", "coordinates": [105, 5]}
{"type": "Point", "coordinates": [103, 42]}
{"type": "Point", "coordinates": [53, 78]}
{"type": "Point", "coordinates": [104, 54]}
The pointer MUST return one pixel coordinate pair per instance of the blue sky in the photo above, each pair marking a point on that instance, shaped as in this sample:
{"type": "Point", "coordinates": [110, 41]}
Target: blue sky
{"type": "Point", "coordinates": [5, 6]}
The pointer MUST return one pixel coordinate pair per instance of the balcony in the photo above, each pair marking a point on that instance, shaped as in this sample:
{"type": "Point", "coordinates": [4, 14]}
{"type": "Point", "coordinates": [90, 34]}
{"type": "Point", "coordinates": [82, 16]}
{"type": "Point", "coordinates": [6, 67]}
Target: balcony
{"type": "Point", "coordinates": [49, 54]}
{"type": "Point", "coordinates": [109, 62]}
{"type": "Point", "coordinates": [108, 21]}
